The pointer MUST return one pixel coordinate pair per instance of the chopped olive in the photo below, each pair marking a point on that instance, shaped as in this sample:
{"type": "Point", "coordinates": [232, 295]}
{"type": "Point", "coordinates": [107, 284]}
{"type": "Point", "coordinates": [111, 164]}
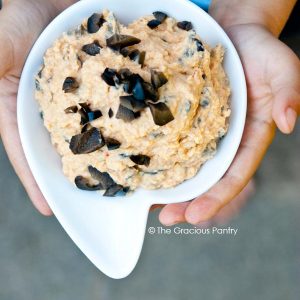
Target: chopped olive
{"type": "Point", "coordinates": [87, 115]}
{"type": "Point", "coordinates": [125, 114]}
{"type": "Point", "coordinates": [119, 41]}
{"type": "Point", "coordinates": [116, 190]}
{"type": "Point", "coordinates": [131, 103]}
{"type": "Point", "coordinates": [37, 85]}
{"type": "Point", "coordinates": [41, 72]}
{"type": "Point", "coordinates": [83, 111]}
{"type": "Point", "coordinates": [70, 85]}
{"type": "Point", "coordinates": [111, 77]}
{"type": "Point", "coordinates": [86, 127]}
{"type": "Point", "coordinates": [110, 113]}
{"type": "Point", "coordinates": [127, 86]}
{"type": "Point", "coordinates": [199, 45]}
{"type": "Point", "coordinates": [153, 23]}
{"type": "Point", "coordinates": [137, 114]}
{"type": "Point", "coordinates": [160, 16]}
{"type": "Point", "coordinates": [93, 115]}
{"type": "Point", "coordinates": [104, 178]}
{"type": "Point", "coordinates": [112, 144]}
{"type": "Point", "coordinates": [84, 118]}
{"type": "Point", "coordinates": [158, 79]}
{"type": "Point", "coordinates": [125, 74]}
{"type": "Point", "coordinates": [85, 105]}
{"type": "Point", "coordinates": [140, 159]}
{"type": "Point", "coordinates": [138, 90]}
{"type": "Point", "coordinates": [87, 142]}
{"type": "Point", "coordinates": [138, 56]}
{"type": "Point", "coordinates": [71, 109]}
{"type": "Point", "coordinates": [161, 113]}
{"type": "Point", "coordinates": [125, 51]}
{"type": "Point", "coordinates": [185, 25]}
{"type": "Point", "coordinates": [150, 92]}
{"type": "Point", "coordinates": [95, 22]}
{"type": "Point", "coordinates": [83, 184]}
{"type": "Point", "coordinates": [92, 49]}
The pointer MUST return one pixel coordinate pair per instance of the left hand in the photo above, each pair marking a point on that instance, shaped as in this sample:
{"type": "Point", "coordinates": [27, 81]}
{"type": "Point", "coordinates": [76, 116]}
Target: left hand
{"type": "Point", "coordinates": [21, 21]}
{"type": "Point", "coordinates": [273, 78]}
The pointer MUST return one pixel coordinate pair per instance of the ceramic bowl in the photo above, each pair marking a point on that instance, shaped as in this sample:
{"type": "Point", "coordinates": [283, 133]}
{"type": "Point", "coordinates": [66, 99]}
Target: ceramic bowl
{"type": "Point", "coordinates": [110, 231]}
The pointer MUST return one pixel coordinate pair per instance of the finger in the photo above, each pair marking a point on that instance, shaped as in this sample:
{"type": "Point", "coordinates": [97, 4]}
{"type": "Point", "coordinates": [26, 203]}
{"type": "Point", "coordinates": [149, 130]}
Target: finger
{"type": "Point", "coordinates": [227, 213]}
{"type": "Point", "coordinates": [285, 83]}
{"type": "Point", "coordinates": [12, 144]}
{"type": "Point", "coordinates": [173, 214]}
{"type": "Point", "coordinates": [257, 137]}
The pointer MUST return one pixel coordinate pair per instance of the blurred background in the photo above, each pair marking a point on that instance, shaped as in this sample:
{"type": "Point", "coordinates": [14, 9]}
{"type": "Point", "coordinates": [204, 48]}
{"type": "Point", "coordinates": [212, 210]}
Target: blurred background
{"type": "Point", "coordinates": [39, 261]}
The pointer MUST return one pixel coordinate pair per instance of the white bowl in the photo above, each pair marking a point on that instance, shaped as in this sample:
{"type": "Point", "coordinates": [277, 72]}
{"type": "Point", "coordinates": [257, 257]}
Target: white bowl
{"type": "Point", "coordinates": [111, 231]}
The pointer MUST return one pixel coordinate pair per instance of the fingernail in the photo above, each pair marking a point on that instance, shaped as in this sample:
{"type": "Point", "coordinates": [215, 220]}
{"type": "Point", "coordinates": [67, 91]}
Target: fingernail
{"type": "Point", "coordinates": [291, 118]}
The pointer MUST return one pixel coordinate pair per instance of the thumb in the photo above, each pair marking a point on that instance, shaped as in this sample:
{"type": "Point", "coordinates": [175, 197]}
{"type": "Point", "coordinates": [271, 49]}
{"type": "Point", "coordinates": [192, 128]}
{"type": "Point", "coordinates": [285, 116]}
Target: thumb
{"type": "Point", "coordinates": [286, 90]}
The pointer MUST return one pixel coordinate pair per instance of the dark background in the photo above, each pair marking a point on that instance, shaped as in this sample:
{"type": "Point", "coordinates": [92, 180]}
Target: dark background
{"type": "Point", "coordinates": [39, 261]}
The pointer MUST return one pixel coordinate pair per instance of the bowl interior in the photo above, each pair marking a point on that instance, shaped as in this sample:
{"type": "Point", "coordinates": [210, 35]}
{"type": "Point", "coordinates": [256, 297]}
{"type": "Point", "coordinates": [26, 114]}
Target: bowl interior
{"type": "Point", "coordinates": [42, 157]}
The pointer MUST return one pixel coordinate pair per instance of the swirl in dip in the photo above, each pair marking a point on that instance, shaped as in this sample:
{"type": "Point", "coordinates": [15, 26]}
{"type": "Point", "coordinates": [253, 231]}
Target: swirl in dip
{"type": "Point", "coordinates": [142, 105]}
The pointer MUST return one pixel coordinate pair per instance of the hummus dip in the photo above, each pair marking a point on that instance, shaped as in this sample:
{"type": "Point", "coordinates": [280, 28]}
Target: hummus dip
{"type": "Point", "coordinates": [142, 105]}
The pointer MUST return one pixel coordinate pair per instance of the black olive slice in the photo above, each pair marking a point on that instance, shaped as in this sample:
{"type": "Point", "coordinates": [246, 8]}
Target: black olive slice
{"type": "Point", "coordinates": [199, 45]}
{"type": "Point", "coordinates": [87, 142]}
{"type": "Point", "coordinates": [119, 41]}
{"type": "Point", "coordinates": [83, 111]}
{"type": "Point", "coordinates": [86, 127]}
{"type": "Point", "coordinates": [131, 103]}
{"type": "Point", "coordinates": [92, 49]}
{"type": "Point", "coordinates": [93, 115]}
{"type": "Point", "coordinates": [116, 190]}
{"type": "Point", "coordinates": [138, 56]}
{"type": "Point", "coordinates": [85, 106]}
{"type": "Point", "coordinates": [161, 113]}
{"type": "Point", "coordinates": [125, 114]}
{"type": "Point", "coordinates": [125, 51]}
{"type": "Point", "coordinates": [95, 22]}
{"type": "Point", "coordinates": [111, 77]}
{"type": "Point", "coordinates": [110, 113]}
{"type": "Point", "coordinates": [71, 109]}
{"type": "Point", "coordinates": [104, 178]}
{"type": "Point", "coordinates": [137, 114]}
{"type": "Point", "coordinates": [127, 87]}
{"type": "Point", "coordinates": [160, 16]}
{"type": "Point", "coordinates": [153, 23]}
{"type": "Point", "coordinates": [150, 92]}
{"type": "Point", "coordinates": [138, 90]}
{"type": "Point", "coordinates": [112, 144]}
{"type": "Point", "coordinates": [158, 79]}
{"type": "Point", "coordinates": [70, 85]}
{"type": "Point", "coordinates": [185, 25]}
{"type": "Point", "coordinates": [140, 159]}
{"type": "Point", "coordinates": [125, 74]}
{"type": "Point", "coordinates": [83, 184]}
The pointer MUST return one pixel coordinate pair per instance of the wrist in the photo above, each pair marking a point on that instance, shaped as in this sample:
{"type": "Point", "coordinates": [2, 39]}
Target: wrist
{"type": "Point", "coordinates": [270, 14]}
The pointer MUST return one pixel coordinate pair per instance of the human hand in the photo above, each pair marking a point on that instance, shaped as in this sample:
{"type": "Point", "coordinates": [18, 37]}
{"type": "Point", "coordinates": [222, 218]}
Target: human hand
{"type": "Point", "coordinates": [21, 21]}
{"type": "Point", "coordinates": [273, 79]}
